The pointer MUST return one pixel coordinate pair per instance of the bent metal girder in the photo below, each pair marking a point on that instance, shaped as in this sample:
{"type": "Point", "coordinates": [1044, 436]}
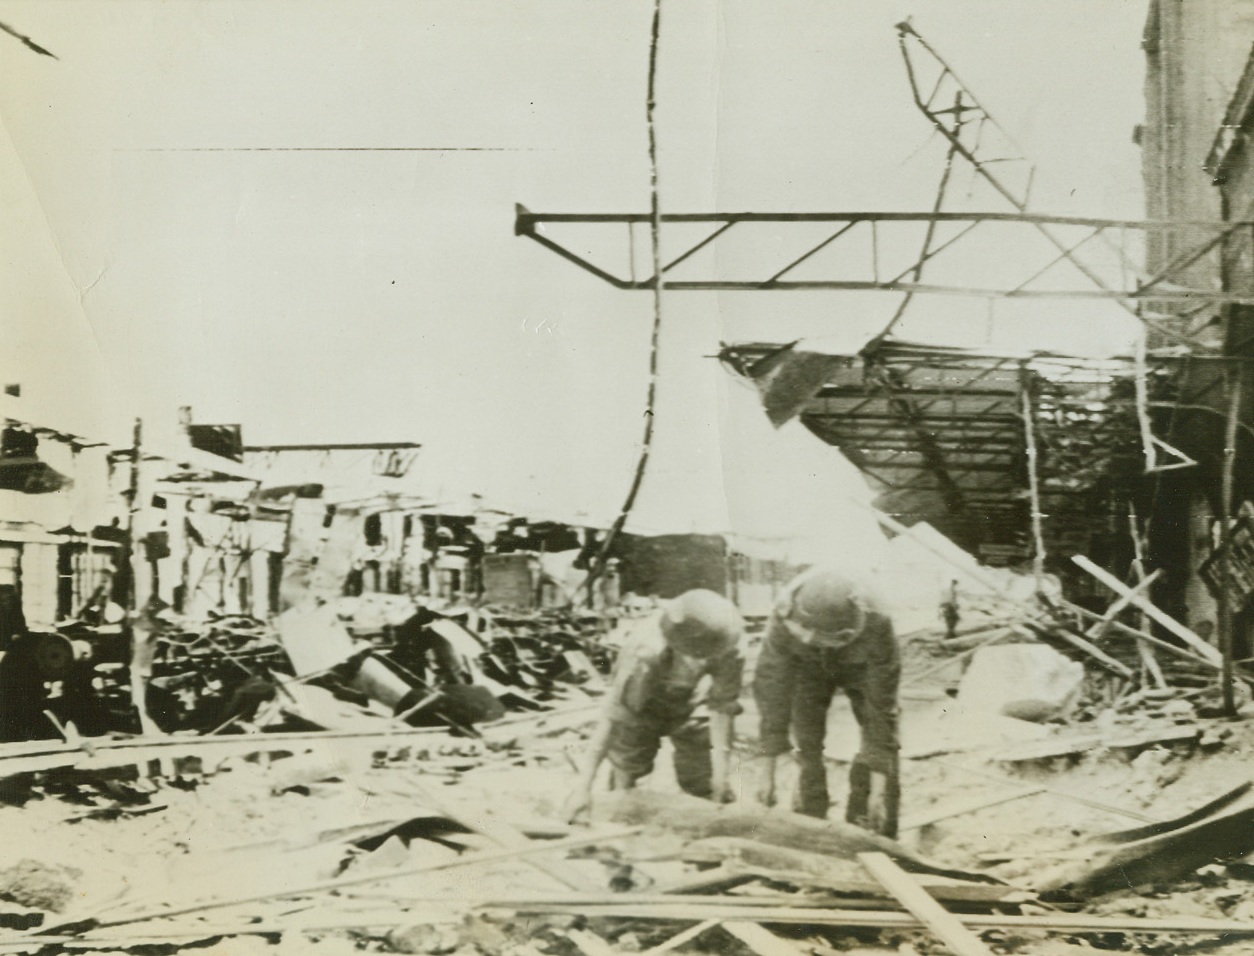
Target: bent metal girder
{"type": "Point", "coordinates": [867, 242]}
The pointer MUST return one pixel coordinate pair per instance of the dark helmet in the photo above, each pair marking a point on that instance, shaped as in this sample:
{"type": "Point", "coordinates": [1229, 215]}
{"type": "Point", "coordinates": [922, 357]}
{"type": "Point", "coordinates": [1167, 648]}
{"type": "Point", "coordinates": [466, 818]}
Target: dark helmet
{"type": "Point", "coordinates": [827, 602]}
{"type": "Point", "coordinates": [700, 623]}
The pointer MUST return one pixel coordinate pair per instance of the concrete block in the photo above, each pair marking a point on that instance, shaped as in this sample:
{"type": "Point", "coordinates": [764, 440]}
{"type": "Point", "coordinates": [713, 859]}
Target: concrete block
{"type": "Point", "coordinates": [1025, 681]}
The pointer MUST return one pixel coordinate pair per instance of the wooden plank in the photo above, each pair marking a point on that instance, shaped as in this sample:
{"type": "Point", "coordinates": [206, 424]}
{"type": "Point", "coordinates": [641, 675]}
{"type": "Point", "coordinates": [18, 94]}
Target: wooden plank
{"type": "Point", "coordinates": [1096, 632]}
{"type": "Point", "coordinates": [892, 919]}
{"type": "Point", "coordinates": [958, 809]}
{"type": "Point", "coordinates": [1174, 649]}
{"type": "Point", "coordinates": [1208, 651]}
{"type": "Point", "coordinates": [883, 919]}
{"type": "Point", "coordinates": [943, 925]}
{"type": "Point", "coordinates": [761, 940]}
{"type": "Point", "coordinates": [1088, 647]}
{"type": "Point", "coordinates": [802, 868]}
{"type": "Point", "coordinates": [590, 944]}
{"type": "Point", "coordinates": [691, 933]}
{"type": "Point", "coordinates": [696, 819]}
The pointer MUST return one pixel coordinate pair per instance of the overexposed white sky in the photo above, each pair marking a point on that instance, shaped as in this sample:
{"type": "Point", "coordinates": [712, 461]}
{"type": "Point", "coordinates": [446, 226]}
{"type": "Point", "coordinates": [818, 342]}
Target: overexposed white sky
{"type": "Point", "coordinates": [197, 218]}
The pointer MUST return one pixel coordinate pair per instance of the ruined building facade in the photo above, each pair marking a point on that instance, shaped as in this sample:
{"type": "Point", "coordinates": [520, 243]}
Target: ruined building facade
{"type": "Point", "coordinates": [1196, 168]}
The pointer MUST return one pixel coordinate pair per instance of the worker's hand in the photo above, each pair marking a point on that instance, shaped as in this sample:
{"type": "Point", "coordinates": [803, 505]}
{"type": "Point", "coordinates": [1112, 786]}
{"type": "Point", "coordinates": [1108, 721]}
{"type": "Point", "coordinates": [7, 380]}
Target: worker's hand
{"type": "Point", "coordinates": [578, 805]}
{"type": "Point", "coordinates": [764, 789]}
{"type": "Point", "coordinates": [877, 804]}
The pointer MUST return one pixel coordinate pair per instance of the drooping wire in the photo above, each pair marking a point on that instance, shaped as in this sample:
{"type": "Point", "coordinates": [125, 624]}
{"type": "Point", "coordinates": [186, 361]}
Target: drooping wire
{"type": "Point", "coordinates": [655, 236]}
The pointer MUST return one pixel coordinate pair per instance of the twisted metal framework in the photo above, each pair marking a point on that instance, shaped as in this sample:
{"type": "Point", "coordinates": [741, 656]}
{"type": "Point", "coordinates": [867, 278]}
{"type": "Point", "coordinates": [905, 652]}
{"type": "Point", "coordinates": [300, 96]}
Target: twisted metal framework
{"type": "Point", "coordinates": [941, 434]}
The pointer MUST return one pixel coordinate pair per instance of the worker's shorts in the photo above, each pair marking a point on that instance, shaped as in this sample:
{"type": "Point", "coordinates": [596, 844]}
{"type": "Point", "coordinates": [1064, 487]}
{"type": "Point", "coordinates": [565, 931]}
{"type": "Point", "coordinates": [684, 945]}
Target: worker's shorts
{"type": "Point", "coordinates": [634, 746]}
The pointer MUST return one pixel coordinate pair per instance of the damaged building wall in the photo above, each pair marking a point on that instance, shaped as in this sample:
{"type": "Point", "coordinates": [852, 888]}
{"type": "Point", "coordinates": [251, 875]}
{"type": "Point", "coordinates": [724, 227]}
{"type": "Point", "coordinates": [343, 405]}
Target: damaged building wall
{"type": "Point", "coordinates": [53, 559]}
{"type": "Point", "coordinates": [1195, 53]}
{"type": "Point", "coordinates": [1232, 167]}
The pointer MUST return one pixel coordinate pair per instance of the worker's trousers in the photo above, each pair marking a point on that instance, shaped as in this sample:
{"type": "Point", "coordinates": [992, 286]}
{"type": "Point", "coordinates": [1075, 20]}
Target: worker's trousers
{"type": "Point", "coordinates": [812, 697]}
{"type": "Point", "coordinates": [634, 746]}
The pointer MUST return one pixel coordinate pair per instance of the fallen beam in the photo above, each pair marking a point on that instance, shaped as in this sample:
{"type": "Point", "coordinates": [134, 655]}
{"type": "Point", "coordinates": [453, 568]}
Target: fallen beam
{"type": "Point", "coordinates": [942, 924]}
{"type": "Point", "coordinates": [891, 919]}
{"type": "Point", "coordinates": [1207, 651]}
{"type": "Point", "coordinates": [691, 933]}
{"type": "Point", "coordinates": [1120, 604]}
{"type": "Point", "coordinates": [1085, 645]}
{"type": "Point", "coordinates": [705, 916]}
{"type": "Point", "coordinates": [1161, 858]}
{"type": "Point", "coordinates": [1175, 649]}
{"type": "Point", "coordinates": [697, 819]}
{"type": "Point", "coordinates": [800, 867]}
{"type": "Point", "coordinates": [761, 940]}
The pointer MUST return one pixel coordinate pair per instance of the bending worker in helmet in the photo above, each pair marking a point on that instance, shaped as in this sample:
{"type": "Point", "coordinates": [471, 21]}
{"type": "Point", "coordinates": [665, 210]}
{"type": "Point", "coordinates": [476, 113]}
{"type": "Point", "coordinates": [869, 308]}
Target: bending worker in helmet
{"type": "Point", "coordinates": [656, 688]}
{"type": "Point", "coordinates": [826, 634]}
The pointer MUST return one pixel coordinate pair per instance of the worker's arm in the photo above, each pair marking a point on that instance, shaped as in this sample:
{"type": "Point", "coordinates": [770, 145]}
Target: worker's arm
{"type": "Point", "coordinates": [720, 750]}
{"type": "Point", "coordinates": [881, 737]}
{"type": "Point", "coordinates": [723, 704]}
{"type": "Point", "coordinates": [772, 691]}
{"type": "Point", "coordinates": [580, 798]}
{"type": "Point", "coordinates": [626, 700]}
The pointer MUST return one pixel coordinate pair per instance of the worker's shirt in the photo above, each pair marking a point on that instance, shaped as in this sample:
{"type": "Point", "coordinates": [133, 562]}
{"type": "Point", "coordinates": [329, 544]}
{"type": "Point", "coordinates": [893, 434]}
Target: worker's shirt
{"type": "Point", "coordinates": [652, 682]}
{"type": "Point", "coordinates": [868, 667]}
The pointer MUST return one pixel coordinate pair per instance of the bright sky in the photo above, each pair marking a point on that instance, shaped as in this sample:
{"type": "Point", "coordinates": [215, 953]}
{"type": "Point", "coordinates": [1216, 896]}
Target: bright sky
{"type": "Point", "coordinates": [216, 259]}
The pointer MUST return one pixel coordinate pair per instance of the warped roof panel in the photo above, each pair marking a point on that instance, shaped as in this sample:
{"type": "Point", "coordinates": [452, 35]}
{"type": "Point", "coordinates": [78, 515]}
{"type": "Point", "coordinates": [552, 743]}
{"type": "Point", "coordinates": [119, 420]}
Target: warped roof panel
{"type": "Point", "coordinates": [940, 431]}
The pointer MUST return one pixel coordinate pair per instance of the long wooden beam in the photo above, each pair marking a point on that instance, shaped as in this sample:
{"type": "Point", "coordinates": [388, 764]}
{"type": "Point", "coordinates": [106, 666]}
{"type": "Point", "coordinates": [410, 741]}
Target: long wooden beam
{"type": "Point", "coordinates": [1208, 651]}
{"type": "Point", "coordinates": [940, 922]}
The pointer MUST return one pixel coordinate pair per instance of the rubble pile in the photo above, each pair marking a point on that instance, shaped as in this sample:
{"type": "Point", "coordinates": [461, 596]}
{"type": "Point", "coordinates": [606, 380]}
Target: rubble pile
{"type": "Point", "coordinates": [210, 673]}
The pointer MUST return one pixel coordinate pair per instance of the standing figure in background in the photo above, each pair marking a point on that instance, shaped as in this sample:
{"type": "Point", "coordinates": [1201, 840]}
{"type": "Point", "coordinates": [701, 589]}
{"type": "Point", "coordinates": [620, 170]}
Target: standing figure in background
{"type": "Point", "coordinates": [657, 687]}
{"type": "Point", "coordinates": [828, 633]}
{"type": "Point", "coordinates": [950, 613]}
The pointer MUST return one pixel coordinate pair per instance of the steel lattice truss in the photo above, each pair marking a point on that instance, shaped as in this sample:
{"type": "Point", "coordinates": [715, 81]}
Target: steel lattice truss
{"type": "Point", "coordinates": [940, 432]}
{"type": "Point", "coordinates": [877, 251]}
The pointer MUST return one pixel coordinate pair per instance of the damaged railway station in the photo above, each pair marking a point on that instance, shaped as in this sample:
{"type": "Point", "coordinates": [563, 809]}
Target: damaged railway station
{"type": "Point", "coordinates": [956, 657]}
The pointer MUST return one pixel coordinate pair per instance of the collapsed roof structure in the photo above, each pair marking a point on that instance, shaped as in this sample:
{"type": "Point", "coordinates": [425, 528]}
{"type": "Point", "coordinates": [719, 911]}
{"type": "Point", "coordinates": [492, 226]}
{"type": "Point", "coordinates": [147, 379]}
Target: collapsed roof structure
{"type": "Point", "coordinates": [941, 433]}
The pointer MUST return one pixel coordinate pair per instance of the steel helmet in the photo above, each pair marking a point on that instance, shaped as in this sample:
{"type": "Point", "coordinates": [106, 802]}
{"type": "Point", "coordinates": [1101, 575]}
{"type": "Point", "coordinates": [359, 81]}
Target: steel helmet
{"type": "Point", "coordinates": [701, 623]}
{"type": "Point", "coordinates": [827, 602]}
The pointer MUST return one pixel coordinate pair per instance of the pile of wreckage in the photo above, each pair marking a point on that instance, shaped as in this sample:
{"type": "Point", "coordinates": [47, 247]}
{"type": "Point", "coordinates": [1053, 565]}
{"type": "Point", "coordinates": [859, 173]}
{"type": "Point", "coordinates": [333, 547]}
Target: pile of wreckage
{"type": "Point", "coordinates": [437, 869]}
{"type": "Point", "coordinates": [353, 776]}
{"type": "Point", "coordinates": [346, 663]}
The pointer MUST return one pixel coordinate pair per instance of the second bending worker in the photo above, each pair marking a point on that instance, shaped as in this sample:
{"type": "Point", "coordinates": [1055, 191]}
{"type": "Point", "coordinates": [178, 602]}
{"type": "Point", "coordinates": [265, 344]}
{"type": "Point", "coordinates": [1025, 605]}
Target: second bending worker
{"type": "Point", "coordinates": [827, 633]}
{"type": "Point", "coordinates": [657, 687]}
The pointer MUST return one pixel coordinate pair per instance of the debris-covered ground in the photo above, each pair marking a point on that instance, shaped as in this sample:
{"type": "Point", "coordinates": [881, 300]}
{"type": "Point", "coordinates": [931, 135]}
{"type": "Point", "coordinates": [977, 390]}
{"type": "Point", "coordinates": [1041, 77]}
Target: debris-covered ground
{"type": "Point", "coordinates": [312, 819]}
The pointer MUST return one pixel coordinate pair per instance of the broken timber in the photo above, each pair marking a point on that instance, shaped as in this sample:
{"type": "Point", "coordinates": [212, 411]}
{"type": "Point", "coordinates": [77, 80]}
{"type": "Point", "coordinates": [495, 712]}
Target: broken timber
{"type": "Point", "coordinates": [1226, 832]}
{"type": "Point", "coordinates": [697, 819]}
{"type": "Point", "coordinates": [943, 924]}
{"type": "Point", "coordinates": [625, 908]}
{"type": "Point", "coordinates": [1207, 651]}
{"type": "Point", "coordinates": [748, 859]}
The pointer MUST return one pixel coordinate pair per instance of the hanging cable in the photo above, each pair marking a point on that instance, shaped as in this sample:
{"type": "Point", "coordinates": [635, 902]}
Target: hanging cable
{"type": "Point", "coordinates": [655, 237]}
{"type": "Point", "coordinates": [926, 252]}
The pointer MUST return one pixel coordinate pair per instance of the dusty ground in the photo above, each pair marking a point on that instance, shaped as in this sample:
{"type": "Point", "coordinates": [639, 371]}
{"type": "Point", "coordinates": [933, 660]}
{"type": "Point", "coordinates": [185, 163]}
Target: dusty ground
{"type": "Point", "coordinates": [120, 851]}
